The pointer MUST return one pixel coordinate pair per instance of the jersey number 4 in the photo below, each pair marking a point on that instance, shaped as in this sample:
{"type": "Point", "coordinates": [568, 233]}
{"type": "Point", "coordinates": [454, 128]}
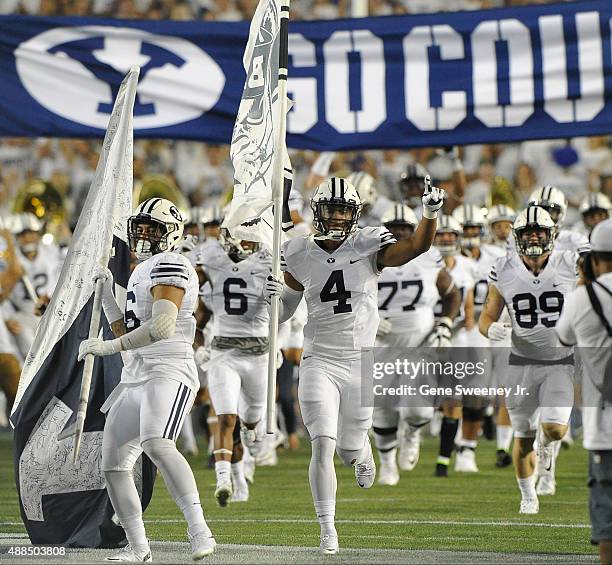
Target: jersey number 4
{"type": "Point", "coordinates": [335, 291]}
{"type": "Point", "coordinates": [525, 307]}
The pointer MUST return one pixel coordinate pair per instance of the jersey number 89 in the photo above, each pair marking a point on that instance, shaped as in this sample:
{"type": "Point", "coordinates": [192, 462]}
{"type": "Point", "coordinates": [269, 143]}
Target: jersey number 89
{"type": "Point", "coordinates": [525, 306]}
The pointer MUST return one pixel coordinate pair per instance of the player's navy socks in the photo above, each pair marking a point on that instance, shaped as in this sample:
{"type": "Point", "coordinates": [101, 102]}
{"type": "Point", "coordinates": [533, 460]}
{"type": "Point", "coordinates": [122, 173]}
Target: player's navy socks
{"type": "Point", "coordinates": [448, 431]}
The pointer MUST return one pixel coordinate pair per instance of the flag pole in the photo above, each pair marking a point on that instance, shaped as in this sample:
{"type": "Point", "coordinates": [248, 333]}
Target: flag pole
{"type": "Point", "coordinates": [94, 327]}
{"type": "Point", "coordinates": [278, 202]}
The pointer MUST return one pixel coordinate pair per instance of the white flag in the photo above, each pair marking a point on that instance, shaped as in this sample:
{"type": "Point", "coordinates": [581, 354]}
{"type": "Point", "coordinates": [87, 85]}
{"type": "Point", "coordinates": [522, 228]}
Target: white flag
{"type": "Point", "coordinates": [104, 214]}
{"type": "Point", "coordinates": [255, 137]}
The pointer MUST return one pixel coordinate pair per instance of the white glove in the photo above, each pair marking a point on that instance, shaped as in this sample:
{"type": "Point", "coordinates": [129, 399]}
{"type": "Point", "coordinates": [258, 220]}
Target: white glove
{"type": "Point", "coordinates": [279, 359]}
{"type": "Point", "coordinates": [441, 334]}
{"type": "Point", "coordinates": [272, 287]}
{"type": "Point", "coordinates": [384, 327]}
{"type": "Point", "coordinates": [100, 272]}
{"type": "Point", "coordinates": [98, 347]}
{"type": "Point", "coordinates": [188, 244]}
{"type": "Point", "coordinates": [433, 198]}
{"type": "Point", "coordinates": [201, 355]}
{"type": "Point", "coordinates": [499, 331]}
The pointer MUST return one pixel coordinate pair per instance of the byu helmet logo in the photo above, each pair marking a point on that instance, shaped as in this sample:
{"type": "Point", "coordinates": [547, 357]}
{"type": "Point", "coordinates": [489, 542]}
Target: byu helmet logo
{"type": "Point", "coordinates": [178, 81]}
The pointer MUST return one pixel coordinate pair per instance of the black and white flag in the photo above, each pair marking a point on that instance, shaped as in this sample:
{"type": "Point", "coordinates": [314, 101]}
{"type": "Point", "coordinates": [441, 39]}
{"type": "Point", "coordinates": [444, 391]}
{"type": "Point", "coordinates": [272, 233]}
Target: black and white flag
{"type": "Point", "coordinates": [63, 502]}
{"type": "Point", "coordinates": [256, 140]}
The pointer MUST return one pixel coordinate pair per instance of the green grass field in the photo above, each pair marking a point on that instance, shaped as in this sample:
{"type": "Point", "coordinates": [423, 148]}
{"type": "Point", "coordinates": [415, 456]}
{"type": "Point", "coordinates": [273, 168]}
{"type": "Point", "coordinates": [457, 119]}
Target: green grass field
{"type": "Point", "coordinates": [461, 513]}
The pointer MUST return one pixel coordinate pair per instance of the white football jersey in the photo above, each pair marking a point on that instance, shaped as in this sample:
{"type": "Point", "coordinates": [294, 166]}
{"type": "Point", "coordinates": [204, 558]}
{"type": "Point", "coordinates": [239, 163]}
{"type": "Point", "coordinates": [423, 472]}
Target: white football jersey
{"type": "Point", "coordinates": [43, 273]}
{"type": "Point", "coordinates": [464, 274]}
{"type": "Point", "coordinates": [488, 254]}
{"type": "Point", "coordinates": [7, 341]}
{"type": "Point", "coordinates": [341, 290]}
{"type": "Point", "coordinates": [407, 294]}
{"type": "Point", "coordinates": [535, 302]}
{"type": "Point", "coordinates": [172, 269]}
{"type": "Point", "coordinates": [237, 301]}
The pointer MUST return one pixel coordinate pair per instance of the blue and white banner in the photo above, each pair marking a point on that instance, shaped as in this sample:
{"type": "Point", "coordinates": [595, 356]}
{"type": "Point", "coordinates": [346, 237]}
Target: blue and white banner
{"type": "Point", "coordinates": [399, 81]}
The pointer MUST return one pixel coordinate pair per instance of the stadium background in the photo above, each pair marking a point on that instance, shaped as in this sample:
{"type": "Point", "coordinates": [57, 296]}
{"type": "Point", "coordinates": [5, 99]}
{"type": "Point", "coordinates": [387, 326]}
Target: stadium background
{"type": "Point", "coordinates": [476, 513]}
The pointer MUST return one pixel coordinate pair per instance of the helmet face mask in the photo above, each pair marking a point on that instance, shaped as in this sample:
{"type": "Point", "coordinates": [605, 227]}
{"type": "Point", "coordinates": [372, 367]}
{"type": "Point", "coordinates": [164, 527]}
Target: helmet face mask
{"type": "Point", "coordinates": [471, 236]}
{"type": "Point", "coordinates": [447, 242]}
{"type": "Point", "coordinates": [594, 216]}
{"type": "Point", "coordinates": [401, 230]}
{"type": "Point", "coordinates": [156, 227]}
{"type": "Point", "coordinates": [336, 208]}
{"type": "Point", "coordinates": [411, 184]}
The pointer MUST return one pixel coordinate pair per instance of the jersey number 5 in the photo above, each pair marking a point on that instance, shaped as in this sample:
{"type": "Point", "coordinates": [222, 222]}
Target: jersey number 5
{"type": "Point", "coordinates": [340, 294]}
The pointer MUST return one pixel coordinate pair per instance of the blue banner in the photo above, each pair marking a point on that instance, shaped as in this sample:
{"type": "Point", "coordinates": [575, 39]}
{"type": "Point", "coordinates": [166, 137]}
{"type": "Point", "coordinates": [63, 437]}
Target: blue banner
{"type": "Point", "coordinates": [489, 76]}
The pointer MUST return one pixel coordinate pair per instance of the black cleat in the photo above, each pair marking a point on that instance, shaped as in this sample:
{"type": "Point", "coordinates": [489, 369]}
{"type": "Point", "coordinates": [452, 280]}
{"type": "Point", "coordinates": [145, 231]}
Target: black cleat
{"type": "Point", "coordinates": [503, 459]}
{"type": "Point", "coordinates": [488, 428]}
{"type": "Point", "coordinates": [441, 470]}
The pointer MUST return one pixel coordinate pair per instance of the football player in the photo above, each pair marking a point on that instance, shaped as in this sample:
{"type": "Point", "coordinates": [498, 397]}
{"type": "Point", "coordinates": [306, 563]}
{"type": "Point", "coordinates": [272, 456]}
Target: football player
{"type": "Point", "coordinates": [11, 272]}
{"type": "Point", "coordinates": [337, 269]}
{"type": "Point", "coordinates": [500, 220]}
{"type": "Point", "coordinates": [555, 203]}
{"type": "Point", "coordinates": [411, 186]}
{"type": "Point", "coordinates": [473, 226]}
{"type": "Point", "coordinates": [41, 267]}
{"type": "Point", "coordinates": [374, 205]}
{"type": "Point", "coordinates": [237, 371]}
{"type": "Point", "coordinates": [594, 208]}
{"type": "Point", "coordinates": [406, 299]}
{"type": "Point", "coordinates": [159, 380]}
{"type": "Point", "coordinates": [532, 285]}
{"type": "Point", "coordinates": [462, 269]}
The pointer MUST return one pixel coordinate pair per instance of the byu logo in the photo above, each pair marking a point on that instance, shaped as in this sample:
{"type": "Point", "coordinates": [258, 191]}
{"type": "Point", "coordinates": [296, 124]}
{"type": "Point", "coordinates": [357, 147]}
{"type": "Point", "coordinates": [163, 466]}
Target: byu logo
{"type": "Point", "coordinates": [178, 81]}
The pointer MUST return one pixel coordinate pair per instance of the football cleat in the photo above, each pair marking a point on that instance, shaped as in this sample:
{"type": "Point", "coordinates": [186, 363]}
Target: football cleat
{"type": "Point", "coordinates": [202, 544]}
{"type": "Point", "coordinates": [545, 455]}
{"type": "Point", "coordinates": [546, 486]}
{"type": "Point", "coordinates": [329, 544]}
{"type": "Point", "coordinates": [409, 451]}
{"type": "Point", "coordinates": [127, 554]}
{"type": "Point", "coordinates": [389, 474]}
{"type": "Point", "coordinates": [529, 506]}
{"type": "Point", "coordinates": [241, 495]}
{"type": "Point", "coordinates": [223, 494]}
{"type": "Point", "coordinates": [504, 459]}
{"type": "Point", "coordinates": [249, 469]}
{"type": "Point", "coordinates": [365, 471]}
{"type": "Point", "coordinates": [465, 461]}
{"type": "Point", "coordinates": [441, 470]}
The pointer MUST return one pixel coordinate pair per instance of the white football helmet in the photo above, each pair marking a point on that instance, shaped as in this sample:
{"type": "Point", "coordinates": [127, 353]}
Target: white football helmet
{"type": "Point", "coordinates": [595, 201]}
{"type": "Point", "coordinates": [365, 185]}
{"type": "Point", "coordinates": [534, 218]}
{"type": "Point", "coordinates": [400, 214]}
{"type": "Point", "coordinates": [448, 224]}
{"type": "Point", "coordinates": [165, 230]}
{"type": "Point", "coordinates": [469, 216]}
{"type": "Point", "coordinates": [501, 213]}
{"type": "Point", "coordinates": [552, 200]}
{"type": "Point", "coordinates": [336, 208]}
